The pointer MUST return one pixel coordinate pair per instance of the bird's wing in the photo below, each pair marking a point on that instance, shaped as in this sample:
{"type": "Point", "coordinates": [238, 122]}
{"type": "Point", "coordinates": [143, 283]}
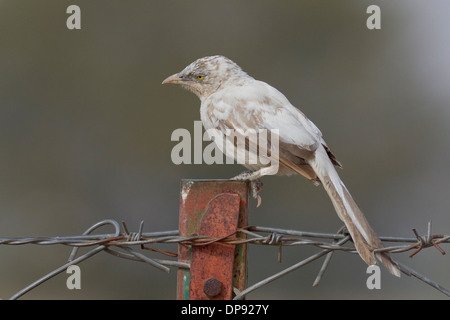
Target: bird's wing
{"type": "Point", "coordinates": [260, 106]}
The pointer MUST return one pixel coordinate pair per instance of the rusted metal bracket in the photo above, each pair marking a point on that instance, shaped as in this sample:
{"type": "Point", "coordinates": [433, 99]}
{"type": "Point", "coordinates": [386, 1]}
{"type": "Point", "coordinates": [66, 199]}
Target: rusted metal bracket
{"type": "Point", "coordinates": [216, 209]}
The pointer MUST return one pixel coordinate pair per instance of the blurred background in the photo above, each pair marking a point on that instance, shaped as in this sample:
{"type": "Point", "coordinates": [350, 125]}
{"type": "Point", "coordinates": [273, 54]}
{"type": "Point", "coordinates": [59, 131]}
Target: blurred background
{"type": "Point", "coordinates": [85, 128]}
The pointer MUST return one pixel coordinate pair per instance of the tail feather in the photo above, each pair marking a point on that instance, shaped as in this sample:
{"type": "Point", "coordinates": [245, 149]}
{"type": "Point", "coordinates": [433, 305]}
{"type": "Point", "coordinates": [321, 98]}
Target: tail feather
{"type": "Point", "coordinates": [364, 237]}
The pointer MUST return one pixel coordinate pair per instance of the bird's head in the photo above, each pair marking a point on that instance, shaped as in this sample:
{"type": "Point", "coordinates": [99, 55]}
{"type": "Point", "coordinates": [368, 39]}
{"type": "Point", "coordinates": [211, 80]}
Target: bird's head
{"type": "Point", "coordinates": [206, 75]}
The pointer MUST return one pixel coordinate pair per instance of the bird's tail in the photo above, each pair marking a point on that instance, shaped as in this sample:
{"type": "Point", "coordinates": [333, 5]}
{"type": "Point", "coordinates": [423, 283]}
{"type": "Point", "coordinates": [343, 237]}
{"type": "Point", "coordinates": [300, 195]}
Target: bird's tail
{"type": "Point", "coordinates": [364, 237]}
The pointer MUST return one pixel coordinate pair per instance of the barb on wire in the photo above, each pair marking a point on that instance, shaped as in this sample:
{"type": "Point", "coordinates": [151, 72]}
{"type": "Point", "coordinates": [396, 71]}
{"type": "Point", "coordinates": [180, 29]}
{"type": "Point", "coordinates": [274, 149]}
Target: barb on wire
{"type": "Point", "coordinates": [243, 293]}
{"type": "Point", "coordinates": [427, 241]}
{"type": "Point", "coordinates": [71, 260]}
{"type": "Point", "coordinates": [326, 262]}
{"type": "Point", "coordinates": [120, 244]}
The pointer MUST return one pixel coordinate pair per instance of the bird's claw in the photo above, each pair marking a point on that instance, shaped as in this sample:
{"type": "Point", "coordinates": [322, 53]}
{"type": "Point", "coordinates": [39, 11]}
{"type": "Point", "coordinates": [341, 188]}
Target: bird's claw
{"type": "Point", "coordinates": [256, 187]}
{"type": "Point", "coordinates": [255, 184]}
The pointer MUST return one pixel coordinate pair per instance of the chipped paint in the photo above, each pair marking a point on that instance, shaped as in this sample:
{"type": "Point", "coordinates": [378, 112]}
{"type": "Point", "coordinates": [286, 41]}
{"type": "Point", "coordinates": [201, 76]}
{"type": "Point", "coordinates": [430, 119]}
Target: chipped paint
{"type": "Point", "coordinates": [185, 190]}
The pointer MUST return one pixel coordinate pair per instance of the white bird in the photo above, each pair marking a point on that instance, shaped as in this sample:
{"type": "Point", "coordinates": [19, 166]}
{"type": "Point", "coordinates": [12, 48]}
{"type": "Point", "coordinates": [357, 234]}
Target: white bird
{"type": "Point", "coordinates": [233, 100]}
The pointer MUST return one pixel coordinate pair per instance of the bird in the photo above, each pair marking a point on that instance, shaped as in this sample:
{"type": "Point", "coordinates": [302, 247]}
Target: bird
{"type": "Point", "coordinates": [230, 99]}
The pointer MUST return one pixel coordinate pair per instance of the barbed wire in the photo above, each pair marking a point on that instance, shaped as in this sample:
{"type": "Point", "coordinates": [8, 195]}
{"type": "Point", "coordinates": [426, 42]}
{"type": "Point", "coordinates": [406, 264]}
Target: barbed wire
{"type": "Point", "coordinates": [121, 243]}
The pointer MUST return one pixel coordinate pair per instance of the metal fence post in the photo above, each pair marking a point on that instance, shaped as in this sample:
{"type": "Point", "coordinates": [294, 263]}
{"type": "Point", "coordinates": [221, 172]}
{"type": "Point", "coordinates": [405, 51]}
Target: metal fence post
{"type": "Point", "coordinates": [213, 208]}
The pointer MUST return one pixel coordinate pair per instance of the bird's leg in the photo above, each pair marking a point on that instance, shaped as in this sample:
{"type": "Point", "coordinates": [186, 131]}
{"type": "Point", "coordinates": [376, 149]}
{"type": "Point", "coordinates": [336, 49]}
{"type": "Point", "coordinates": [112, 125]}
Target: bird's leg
{"type": "Point", "coordinates": [255, 183]}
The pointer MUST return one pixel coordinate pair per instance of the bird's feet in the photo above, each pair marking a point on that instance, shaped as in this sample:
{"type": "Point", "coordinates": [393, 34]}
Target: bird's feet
{"type": "Point", "coordinates": [255, 184]}
{"type": "Point", "coordinates": [255, 188]}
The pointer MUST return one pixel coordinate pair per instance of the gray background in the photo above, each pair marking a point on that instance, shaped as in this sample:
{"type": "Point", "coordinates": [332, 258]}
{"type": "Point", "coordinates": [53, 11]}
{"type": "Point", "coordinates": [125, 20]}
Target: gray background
{"type": "Point", "coordinates": [85, 128]}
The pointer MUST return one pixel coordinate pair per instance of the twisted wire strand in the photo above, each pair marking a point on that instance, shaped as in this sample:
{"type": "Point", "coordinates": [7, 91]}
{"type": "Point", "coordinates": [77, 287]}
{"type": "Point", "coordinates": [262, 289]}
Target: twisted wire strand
{"type": "Point", "coordinates": [120, 244]}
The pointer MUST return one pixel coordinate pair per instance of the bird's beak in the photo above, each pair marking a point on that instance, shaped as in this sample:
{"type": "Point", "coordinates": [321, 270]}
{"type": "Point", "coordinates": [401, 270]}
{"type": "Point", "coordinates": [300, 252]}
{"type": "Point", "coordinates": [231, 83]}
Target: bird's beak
{"type": "Point", "coordinates": [173, 79]}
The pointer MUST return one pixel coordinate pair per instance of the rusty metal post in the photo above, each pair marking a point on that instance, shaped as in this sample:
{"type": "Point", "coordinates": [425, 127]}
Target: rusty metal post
{"type": "Point", "coordinates": [213, 208]}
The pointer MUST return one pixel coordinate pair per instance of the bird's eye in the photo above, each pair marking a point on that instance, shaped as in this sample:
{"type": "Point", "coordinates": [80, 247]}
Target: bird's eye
{"type": "Point", "coordinates": [200, 77]}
